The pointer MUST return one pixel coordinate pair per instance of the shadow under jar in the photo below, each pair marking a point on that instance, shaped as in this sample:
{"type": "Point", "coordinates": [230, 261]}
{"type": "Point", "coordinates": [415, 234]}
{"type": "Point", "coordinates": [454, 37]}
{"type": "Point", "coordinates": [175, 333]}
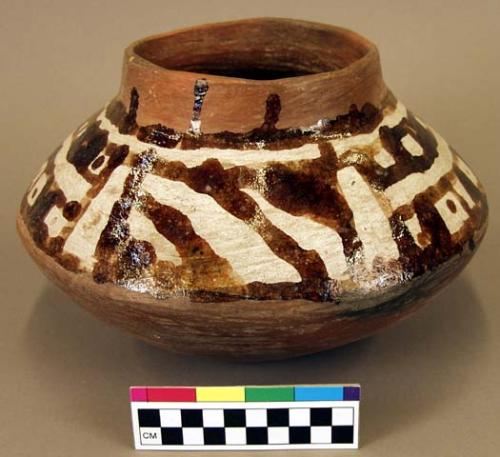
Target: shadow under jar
{"type": "Point", "coordinates": [254, 191]}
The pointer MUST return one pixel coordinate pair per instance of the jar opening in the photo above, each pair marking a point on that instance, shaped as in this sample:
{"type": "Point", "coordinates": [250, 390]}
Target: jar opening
{"type": "Point", "coordinates": [262, 49]}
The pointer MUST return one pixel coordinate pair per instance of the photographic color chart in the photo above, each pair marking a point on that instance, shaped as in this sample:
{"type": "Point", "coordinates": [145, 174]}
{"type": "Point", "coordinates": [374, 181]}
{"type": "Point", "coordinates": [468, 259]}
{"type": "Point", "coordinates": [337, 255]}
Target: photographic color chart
{"type": "Point", "coordinates": [253, 417]}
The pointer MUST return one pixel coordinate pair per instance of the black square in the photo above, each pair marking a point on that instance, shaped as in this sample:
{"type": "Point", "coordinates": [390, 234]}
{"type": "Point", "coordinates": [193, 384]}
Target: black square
{"type": "Point", "coordinates": [234, 418]}
{"type": "Point", "coordinates": [321, 416]}
{"type": "Point", "coordinates": [343, 434]}
{"type": "Point", "coordinates": [277, 417]}
{"type": "Point", "coordinates": [149, 418]}
{"type": "Point", "coordinates": [300, 435]}
{"type": "Point", "coordinates": [192, 418]}
{"type": "Point", "coordinates": [171, 435]}
{"type": "Point", "coordinates": [214, 435]}
{"type": "Point", "coordinates": [257, 435]}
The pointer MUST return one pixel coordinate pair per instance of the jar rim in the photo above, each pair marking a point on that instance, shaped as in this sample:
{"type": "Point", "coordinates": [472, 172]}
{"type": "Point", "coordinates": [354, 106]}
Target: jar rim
{"type": "Point", "coordinates": [275, 47]}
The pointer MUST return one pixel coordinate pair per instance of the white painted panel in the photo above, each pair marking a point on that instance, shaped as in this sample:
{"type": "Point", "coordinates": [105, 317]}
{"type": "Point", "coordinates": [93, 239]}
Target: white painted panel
{"type": "Point", "coordinates": [371, 223]}
{"type": "Point", "coordinates": [453, 220]}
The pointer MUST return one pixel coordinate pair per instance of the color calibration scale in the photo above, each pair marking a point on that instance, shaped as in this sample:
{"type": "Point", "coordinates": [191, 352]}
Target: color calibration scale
{"type": "Point", "coordinates": [235, 418]}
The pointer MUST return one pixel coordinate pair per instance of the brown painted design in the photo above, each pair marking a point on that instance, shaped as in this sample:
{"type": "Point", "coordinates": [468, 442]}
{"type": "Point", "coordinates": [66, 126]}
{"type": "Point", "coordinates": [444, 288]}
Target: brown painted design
{"type": "Point", "coordinates": [97, 163]}
{"type": "Point", "coordinates": [305, 188]}
{"type": "Point", "coordinates": [115, 247]}
{"type": "Point", "coordinates": [71, 210]}
{"type": "Point", "coordinates": [224, 187]}
{"type": "Point", "coordinates": [405, 163]}
{"type": "Point", "coordinates": [310, 189]}
{"type": "Point", "coordinates": [451, 206]}
{"type": "Point", "coordinates": [201, 267]}
{"type": "Point", "coordinates": [265, 137]}
{"type": "Point", "coordinates": [269, 137]}
{"type": "Point", "coordinates": [86, 147]}
{"type": "Point", "coordinates": [129, 121]}
{"type": "Point", "coordinates": [159, 135]}
{"type": "Point", "coordinates": [439, 244]}
{"type": "Point", "coordinates": [34, 216]}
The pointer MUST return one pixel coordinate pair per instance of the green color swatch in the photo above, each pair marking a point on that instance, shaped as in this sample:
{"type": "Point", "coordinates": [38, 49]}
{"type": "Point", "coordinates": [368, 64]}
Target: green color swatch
{"type": "Point", "coordinates": [269, 394]}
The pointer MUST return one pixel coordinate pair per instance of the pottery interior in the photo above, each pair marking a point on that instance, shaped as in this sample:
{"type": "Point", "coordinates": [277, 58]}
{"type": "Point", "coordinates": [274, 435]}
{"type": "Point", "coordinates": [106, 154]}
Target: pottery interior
{"type": "Point", "coordinates": [254, 191]}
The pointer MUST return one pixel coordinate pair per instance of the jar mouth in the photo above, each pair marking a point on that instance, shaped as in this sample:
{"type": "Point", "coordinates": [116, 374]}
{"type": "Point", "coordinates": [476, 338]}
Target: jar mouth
{"type": "Point", "coordinates": [263, 49]}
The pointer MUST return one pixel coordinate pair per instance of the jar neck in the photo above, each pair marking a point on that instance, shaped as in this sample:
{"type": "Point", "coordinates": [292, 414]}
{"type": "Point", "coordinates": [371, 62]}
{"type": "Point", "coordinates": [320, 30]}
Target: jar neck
{"type": "Point", "coordinates": [227, 76]}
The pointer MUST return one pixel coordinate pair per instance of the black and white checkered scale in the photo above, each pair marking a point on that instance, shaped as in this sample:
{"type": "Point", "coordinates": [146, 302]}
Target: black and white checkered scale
{"type": "Point", "coordinates": [250, 426]}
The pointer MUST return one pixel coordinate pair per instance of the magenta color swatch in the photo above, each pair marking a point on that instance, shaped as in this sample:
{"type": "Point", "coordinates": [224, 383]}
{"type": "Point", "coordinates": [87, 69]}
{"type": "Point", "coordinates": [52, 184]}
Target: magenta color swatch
{"type": "Point", "coordinates": [138, 394]}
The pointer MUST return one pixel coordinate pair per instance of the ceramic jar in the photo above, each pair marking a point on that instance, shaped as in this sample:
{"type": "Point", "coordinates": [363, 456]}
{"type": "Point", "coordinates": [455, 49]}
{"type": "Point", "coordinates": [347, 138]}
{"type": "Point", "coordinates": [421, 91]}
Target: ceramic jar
{"type": "Point", "coordinates": [254, 191]}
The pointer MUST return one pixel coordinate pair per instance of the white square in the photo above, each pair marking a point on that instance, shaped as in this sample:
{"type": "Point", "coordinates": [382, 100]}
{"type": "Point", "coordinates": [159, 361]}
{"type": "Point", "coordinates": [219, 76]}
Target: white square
{"type": "Point", "coordinates": [384, 158]}
{"type": "Point", "coordinates": [150, 435]}
{"type": "Point", "coordinates": [256, 417]}
{"type": "Point", "coordinates": [193, 435]}
{"type": "Point", "coordinates": [342, 416]}
{"type": "Point", "coordinates": [236, 435]}
{"type": "Point", "coordinates": [321, 435]}
{"type": "Point", "coordinates": [170, 418]}
{"type": "Point", "coordinates": [213, 418]}
{"type": "Point", "coordinates": [411, 145]}
{"type": "Point", "coordinates": [278, 435]}
{"type": "Point", "coordinates": [300, 416]}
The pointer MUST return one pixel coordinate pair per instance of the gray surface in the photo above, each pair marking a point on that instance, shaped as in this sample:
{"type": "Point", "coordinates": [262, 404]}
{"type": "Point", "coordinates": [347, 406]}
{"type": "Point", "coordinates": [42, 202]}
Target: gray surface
{"type": "Point", "coordinates": [430, 384]}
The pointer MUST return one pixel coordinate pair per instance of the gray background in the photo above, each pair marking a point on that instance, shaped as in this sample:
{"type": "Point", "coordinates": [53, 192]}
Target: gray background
{"type": "Point", "coordinates": [430, 384]}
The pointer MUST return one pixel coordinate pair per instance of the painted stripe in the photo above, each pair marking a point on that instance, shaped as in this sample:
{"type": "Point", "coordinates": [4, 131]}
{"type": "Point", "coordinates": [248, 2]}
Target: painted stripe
{"type": "Point", "coordinates": [83, 239]}
{"type": "Point", "coordinates": [142, 228]}
{"type": "Point", "coordinates": [370, 220]}
{"type": "Point", "coordinates": [462, 191]}
{"type": "Point", "coordinates": [227, 157]}
{"type": "Point", "coordinates": [310, 235]}
{"type": "Point", "coordinates": [404, 191]}
{"type": "Point", "coordinates": [319, 393]}
{"type": "Point", "coordinates": [222, 394]}
{"type": "Point", "coordinates": [172, 394]}
{"type": "Point", "coordinates": [251, 158]}
{"type": "Point", "coordinates": [230, 238]}
{"type": "Point", "coordinates": [235, 157]}
{"type": "Point", "coordinates": [265, 394]}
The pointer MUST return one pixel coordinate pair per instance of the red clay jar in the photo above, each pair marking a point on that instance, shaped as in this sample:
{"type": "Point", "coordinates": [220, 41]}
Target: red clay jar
{"type": "Point", "coordinates": [253, 191]}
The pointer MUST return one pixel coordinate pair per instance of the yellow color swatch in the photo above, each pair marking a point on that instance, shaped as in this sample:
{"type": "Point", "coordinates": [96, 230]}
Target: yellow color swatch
{"type": "Point", "coordinates": [220, 394]}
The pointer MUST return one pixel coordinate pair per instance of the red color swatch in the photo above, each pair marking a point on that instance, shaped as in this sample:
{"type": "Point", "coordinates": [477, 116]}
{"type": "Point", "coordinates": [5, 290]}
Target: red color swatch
{"type": "Point", "coordinates": [172, 394]}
